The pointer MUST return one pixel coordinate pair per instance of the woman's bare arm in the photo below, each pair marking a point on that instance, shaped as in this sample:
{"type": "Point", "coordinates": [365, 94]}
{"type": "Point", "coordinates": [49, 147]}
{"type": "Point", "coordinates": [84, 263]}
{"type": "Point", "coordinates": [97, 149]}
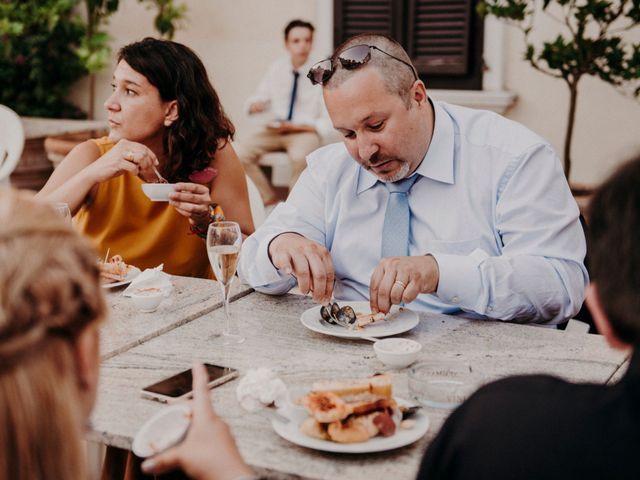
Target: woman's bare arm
{"type": "Point", "coordinates": [70, 182]}
{"type": "Point", "coordinates": [229, 189]}
{"type": "Point", "coordinates": [83, 169]}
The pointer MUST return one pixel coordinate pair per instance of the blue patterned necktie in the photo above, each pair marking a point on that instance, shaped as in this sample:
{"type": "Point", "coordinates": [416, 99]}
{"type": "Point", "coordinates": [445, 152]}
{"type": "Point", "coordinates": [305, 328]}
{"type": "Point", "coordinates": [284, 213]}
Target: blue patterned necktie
{"type": "Point", "coordinates": [395, 232]}
{"type": "Point", "coordinates": [294, 90]}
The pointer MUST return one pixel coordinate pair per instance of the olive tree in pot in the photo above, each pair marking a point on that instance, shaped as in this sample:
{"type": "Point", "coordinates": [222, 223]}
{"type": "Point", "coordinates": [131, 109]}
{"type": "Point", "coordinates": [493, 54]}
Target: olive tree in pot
{"type": "Point", "coordinates": [590, 43]}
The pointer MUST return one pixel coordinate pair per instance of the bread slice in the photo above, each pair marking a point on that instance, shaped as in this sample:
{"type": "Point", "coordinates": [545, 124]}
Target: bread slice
{"type": "Point", "coordinates": [357, 389]}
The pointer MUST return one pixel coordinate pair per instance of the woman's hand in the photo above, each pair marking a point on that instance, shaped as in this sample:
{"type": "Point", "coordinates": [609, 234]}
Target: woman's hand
{"type": "Point", "coordinates": [125, 156]}
{"type": "Point", "coordinates": [192, 200]}
{"type": "Point", "coordinates": [209, 451]}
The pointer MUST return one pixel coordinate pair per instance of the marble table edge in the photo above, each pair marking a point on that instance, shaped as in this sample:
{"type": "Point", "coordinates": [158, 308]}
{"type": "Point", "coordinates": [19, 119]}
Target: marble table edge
{"type": "Point", "coordinates": [167, 328]}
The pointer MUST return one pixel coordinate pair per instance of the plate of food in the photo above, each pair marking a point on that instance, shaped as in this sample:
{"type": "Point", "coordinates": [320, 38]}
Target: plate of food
{"type": "Point", "coordinates": [115, 272]}
{"type": "Point", "coordinates": [354, 416]}
{"type": "Point", "coordinates": [355, 320]}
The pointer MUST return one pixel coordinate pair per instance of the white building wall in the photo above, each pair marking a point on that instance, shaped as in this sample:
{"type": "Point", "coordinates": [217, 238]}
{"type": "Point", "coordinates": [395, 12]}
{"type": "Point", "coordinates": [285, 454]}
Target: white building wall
{"type": "Point", "coordinates": [238, 39]}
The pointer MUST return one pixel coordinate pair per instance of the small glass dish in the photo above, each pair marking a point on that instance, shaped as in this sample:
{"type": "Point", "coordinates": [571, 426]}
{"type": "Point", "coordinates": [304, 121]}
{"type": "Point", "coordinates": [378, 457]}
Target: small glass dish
{"type": "Point", "coordinates": [442, 383]}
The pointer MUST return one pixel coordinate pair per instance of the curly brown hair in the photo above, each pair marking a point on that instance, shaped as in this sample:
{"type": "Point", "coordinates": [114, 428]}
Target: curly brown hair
{"type": "Point", "coordinates": [202, 126]}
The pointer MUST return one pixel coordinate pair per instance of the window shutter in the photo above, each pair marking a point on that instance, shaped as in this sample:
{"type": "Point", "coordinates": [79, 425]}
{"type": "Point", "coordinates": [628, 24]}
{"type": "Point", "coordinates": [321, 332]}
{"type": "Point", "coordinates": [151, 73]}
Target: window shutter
{"type": "Point", "coordinates": [444, 38]}
{"type": "Point", "coordinates": [438, 36]}
{"type": "Point", "coordinates": [359, 16]}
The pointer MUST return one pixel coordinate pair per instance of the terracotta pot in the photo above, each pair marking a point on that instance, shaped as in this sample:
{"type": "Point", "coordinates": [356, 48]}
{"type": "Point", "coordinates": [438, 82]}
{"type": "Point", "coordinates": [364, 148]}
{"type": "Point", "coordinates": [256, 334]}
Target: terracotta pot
{"type": "Point", "coordinates": [57, 147]}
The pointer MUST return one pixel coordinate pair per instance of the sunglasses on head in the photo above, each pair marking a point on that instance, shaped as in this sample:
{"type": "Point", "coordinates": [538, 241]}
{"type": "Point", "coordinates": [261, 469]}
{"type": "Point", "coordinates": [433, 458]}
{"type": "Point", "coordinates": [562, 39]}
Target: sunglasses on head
{"type": "Point", "coordinates": [350, 59]}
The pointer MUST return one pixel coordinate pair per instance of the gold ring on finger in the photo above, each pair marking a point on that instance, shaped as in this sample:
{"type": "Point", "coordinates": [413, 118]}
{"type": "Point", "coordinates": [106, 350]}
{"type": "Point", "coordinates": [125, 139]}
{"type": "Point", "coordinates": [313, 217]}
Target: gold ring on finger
{"type": "Point", "coordinates": [398, 282]}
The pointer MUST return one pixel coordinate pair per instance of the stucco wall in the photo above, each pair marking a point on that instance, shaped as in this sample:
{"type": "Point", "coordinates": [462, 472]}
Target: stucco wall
{"type": "Point", "coordinates": [238, 39]}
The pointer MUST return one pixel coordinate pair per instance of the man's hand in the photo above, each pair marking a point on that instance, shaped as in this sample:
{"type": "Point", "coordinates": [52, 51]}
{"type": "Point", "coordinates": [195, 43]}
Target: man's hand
{"type": "Point", "coordinates": [257, 107]}
{"type": "Point", "coordinates": [306, 260]}
{"type": "Point", "coordinates": [285, 127]}
{"type": "Point", "coordinates": [401, 279]}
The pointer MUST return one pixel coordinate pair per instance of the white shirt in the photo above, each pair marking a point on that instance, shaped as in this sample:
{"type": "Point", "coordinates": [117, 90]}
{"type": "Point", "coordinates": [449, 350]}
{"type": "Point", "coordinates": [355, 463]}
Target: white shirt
{"type": "Point", "coordinates": [492, 206]}
{"type": "Point", "coordinates": [275, 89]}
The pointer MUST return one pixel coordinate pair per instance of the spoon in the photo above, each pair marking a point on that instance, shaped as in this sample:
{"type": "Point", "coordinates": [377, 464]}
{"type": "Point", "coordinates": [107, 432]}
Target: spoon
{"type": "Point", "coordinates": [161, 179]}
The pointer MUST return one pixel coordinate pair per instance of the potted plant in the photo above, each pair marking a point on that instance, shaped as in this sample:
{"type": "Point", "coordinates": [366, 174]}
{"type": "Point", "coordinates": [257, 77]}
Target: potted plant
{"type": "Point", "coordinates": [590, 43]}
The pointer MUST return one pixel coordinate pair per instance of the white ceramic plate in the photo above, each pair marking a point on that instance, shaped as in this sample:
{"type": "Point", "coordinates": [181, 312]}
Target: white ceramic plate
{"type": "Point", "coordinates": [163, 430]}
{"type": "Point", "coordinates": [291, 432]}
{"type": "Point", "coordinates": [131, 274]}
{"type": "Point", "coordinates": [399, 320]}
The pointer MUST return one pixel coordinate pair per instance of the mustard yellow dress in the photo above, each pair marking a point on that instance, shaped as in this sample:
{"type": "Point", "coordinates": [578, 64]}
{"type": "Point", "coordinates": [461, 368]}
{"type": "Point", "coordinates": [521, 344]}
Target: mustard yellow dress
{"type": "Point", "coordinates": [122, 219]}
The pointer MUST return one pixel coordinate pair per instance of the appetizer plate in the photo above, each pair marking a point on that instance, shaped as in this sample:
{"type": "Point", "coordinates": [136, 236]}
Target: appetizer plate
{"type": "Point", "coordinates": [399, 320]}
{"type": "Point", "coordinates": [131, 274]}
{"type": "Point", "coordinates": [291, 431]}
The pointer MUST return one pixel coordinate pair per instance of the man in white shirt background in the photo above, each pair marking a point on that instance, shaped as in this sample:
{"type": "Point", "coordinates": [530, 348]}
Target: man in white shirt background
{"type": "Point", "coordinates": [294, 110]}
{"type": "Point", "coordinates": [442, 208]}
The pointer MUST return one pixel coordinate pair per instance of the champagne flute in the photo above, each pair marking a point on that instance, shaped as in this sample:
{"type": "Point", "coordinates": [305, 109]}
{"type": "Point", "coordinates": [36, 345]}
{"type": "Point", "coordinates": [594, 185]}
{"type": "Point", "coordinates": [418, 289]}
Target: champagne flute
{"type": "Point", "coordinates": [223, 247]}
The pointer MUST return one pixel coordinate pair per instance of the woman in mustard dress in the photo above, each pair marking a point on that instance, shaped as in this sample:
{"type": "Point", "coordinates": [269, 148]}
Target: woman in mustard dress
{"type": "Point", "coordinates": [163, 115]}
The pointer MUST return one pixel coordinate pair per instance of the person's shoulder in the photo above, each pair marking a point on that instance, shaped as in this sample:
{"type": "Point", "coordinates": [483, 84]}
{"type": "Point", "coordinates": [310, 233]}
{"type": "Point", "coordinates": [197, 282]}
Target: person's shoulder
{"type": "Point", "coordinates": [489, 129]}
{"type": "Point", "coordinates": [333, 153]}
{"type": "Point", "coordinates": [536, 397]}
{"type": "Point", "coordinates": [331, 161]}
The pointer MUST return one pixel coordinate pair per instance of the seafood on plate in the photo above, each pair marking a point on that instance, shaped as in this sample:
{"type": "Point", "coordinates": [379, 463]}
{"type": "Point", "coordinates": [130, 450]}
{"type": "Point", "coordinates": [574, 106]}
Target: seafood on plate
{"type": "Point", "coordinates": [113, 270]}
{"type": "Point", "coordinates": [352, 410]}
{"type": "Point", "coordinates": [347, 317]}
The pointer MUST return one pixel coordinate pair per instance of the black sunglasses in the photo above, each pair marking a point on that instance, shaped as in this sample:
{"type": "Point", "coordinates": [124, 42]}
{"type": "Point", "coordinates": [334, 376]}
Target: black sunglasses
{"type": "Point", "coordinates": [351, 58]}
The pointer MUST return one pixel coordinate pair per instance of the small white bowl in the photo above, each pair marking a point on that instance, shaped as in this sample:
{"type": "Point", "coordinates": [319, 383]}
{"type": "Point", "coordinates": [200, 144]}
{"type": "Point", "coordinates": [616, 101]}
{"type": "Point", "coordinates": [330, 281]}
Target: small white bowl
{"type": "Point", "coordinates": [147, 301]}
{"type": "Point", "coordinates": [397, 352]}
{"type": "Point", "coordinates": [163, 430]}
{"type": "Point", "coordinates": [158, 192]}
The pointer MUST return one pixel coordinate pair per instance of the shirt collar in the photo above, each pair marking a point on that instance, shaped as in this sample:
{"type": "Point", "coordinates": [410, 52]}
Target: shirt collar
{"type": "Point", "coordinates": [437, 164]}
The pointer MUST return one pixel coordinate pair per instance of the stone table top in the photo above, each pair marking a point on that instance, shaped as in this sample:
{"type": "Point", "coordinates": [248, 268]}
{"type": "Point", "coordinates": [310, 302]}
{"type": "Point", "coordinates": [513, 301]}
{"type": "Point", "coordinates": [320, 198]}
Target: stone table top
{"type": "Point", "coordinates": [275, 338]}
{"type": "Point", "coordinates": [127, 327]}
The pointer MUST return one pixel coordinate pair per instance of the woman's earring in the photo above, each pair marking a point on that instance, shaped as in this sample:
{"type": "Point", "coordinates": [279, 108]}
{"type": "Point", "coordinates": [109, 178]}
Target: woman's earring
{"type": "Point", "coordinates": [167, 123]}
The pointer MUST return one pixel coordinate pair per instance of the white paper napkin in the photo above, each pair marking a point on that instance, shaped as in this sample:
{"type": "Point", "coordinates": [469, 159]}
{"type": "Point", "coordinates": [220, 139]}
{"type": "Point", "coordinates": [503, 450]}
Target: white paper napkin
{"type": "Point", "coordinates": [151, 278]}
{"type": "Point", "coordinates": [259, 388]}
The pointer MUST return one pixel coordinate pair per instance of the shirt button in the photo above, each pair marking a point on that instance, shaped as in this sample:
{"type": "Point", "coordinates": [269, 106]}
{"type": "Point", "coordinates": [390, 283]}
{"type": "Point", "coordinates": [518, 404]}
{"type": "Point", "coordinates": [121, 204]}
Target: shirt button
{"type": "Point", "coordinates": [490, 308]}
{"type": "Point", "coordinates": [455, 299]}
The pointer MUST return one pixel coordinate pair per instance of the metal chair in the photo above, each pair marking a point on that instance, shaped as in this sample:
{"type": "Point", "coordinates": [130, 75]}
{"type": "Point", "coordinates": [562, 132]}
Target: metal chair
{"type": "Point", "coordinates": [256, 204]}
{"type": "Point", "coordinates": [11, 143]}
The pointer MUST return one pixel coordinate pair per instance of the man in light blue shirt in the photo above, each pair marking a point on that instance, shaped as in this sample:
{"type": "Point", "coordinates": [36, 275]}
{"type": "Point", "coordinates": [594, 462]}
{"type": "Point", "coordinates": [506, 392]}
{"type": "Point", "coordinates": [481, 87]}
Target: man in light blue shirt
{"type": "Point", "coordinates": [493, 230]}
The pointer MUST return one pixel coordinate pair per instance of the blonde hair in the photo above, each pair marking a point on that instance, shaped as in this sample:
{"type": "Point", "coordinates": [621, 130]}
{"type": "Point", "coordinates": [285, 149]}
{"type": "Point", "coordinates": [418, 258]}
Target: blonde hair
{"type": "Point", "coordinates": [49, 293]}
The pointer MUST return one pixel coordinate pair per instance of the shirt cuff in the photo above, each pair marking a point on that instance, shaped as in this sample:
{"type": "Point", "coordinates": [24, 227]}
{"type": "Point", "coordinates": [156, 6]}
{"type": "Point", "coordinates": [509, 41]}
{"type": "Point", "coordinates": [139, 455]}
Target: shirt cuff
{"type": "Point", "coordinates": [460, 281]}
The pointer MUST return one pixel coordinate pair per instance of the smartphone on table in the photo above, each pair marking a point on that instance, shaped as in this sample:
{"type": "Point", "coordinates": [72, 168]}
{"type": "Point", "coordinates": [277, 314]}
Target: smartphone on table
{"type": "Point", "coordinates": [179, 386]}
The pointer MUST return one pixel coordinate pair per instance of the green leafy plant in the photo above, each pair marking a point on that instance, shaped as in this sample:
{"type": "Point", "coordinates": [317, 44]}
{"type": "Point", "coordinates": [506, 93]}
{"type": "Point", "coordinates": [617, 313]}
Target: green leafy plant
{"type": "Point", "coordinates": [94, 49]}
{"type": "Point", "coordinates": [47, 46]}
{"type": "Point", "coordinates": [38, 61]}
{"type": "Point", "coordinates": [589, 43]}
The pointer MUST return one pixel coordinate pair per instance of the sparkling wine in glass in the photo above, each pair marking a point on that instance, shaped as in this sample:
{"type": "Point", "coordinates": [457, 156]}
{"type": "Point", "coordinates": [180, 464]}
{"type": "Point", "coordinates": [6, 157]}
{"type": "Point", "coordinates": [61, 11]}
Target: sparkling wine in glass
{"type": "Point", "coordinates": [223, 247]}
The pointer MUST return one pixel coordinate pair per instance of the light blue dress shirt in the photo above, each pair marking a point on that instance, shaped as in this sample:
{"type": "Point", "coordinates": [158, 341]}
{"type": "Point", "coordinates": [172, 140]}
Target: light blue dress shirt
{"type": "Point", "coordinates": [493, 208]}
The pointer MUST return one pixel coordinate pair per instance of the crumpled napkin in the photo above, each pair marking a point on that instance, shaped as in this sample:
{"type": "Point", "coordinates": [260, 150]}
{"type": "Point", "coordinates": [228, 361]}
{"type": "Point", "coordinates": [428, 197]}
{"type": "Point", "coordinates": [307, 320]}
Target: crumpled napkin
{"type": "Point", "coordinates": [259, 388]}
{"type": "Point", "coordinates": [151, 278]}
